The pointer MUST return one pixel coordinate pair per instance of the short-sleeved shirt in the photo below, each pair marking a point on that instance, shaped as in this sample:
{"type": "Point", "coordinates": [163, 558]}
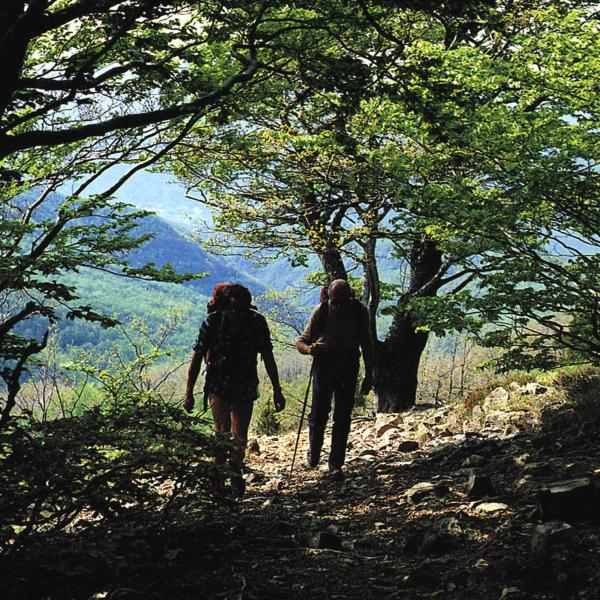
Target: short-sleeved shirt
{"type": "Point", "coordinates": [231, 340]}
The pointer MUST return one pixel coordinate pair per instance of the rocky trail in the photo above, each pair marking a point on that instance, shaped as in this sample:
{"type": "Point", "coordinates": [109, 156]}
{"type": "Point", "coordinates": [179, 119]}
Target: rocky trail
{"type": "Point", "coordinates": [502, 502]}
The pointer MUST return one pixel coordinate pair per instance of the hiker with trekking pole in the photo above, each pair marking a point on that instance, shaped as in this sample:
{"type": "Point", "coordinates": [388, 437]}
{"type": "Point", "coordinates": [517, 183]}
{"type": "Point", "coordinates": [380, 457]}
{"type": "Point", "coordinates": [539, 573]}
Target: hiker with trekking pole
{"type": "Point", "coordinates": [229, 340]}
{"type": "Point", "coordinates": [335, 335]}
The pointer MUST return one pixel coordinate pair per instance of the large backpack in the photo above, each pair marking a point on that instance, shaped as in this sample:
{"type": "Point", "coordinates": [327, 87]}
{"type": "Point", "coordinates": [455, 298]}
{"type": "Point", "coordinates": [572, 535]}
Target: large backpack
{"type": "Point", "coordinates": [218, 299]}
{"type": "Point", "coordinates": [231, 342]}
{"type": "Point", "coordinates": [235, 336]}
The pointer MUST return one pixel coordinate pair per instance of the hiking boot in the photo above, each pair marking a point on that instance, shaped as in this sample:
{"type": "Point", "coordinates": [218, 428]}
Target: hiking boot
{"type": "Point", "coordinates": [312, 461]}
{"type": "Point", "coordinates": [336, 474]}
{"type": "Point", "coordinates": [238, 484]}
{"type": "Point", "coordinates": [217, 486]}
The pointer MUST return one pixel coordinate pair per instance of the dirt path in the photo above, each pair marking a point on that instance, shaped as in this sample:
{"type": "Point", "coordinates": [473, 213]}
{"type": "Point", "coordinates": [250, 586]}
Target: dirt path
{"type": "Point", "coordinates": [434, 506]}
{"type": "Point", "coordinates": [404, 524]}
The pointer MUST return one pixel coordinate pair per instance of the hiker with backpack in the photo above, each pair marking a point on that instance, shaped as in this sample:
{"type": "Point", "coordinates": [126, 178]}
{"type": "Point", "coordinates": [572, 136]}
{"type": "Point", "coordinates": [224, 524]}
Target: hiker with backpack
{"type": "Point", "coordinates": [230, 338]}
{"type": "Point", "coordinates": [336, 333]}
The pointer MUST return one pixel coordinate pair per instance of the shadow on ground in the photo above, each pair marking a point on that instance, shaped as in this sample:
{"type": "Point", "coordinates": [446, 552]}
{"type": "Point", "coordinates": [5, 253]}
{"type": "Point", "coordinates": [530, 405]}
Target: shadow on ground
{"type": "Point", "coordinates": [375, 536]}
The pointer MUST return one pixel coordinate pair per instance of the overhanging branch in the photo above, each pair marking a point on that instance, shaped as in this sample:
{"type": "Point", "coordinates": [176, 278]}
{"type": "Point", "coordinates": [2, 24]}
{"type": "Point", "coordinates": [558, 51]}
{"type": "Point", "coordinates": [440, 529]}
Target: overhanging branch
{"type": "Point", "coordinates": [32, 139]}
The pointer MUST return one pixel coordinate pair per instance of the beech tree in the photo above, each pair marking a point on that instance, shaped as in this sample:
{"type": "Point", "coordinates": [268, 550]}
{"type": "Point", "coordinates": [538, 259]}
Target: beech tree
{"type": "Point", "coordinates": [434, 132]}
{"type": "Point", "coordinates": [542, 164]}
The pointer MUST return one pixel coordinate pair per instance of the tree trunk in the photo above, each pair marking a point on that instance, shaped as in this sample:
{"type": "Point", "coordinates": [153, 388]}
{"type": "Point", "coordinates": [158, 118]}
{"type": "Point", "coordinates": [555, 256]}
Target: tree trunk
{"type": "Point", "coordinates": [397, 367]}
{"type": "Point", "coordinates": [324, 236]}
{"type": "Point", "coordinates": [333, 265]}
{"type": "Point", "coordinates": [13, 45]}
{"type": "Point", "coordinates": [397, 358]}
{"type": "Point", "coordinates": [371, 292]}
{"type": "Point", "coordinates": [12, 376]}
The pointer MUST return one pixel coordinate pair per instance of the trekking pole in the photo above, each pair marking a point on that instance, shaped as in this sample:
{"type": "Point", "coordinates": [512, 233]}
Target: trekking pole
{"type": "Point", "coordinates": [310, 376]}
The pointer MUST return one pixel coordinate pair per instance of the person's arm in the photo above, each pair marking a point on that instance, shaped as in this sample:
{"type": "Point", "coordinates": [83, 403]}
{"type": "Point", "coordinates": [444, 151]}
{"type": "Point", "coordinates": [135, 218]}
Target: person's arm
{"type": "Point", "coordinates": [273, 373]}
{"type": "Point", "coordinates": [193, 373]}
{"type": "Point", "coordinates": [303, 347]}
{"type": "Point", "coordinates": [265, 347]}
{"type": "Point", "coordinates": [200, 348]}
{"type": "Point", "coordinates": [306, 342]}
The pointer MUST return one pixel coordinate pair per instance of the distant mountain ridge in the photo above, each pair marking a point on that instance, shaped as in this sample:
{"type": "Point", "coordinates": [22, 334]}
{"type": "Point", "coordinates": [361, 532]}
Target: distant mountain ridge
{"type": "Point", "coordinates": [159, 193]}
{"type": "Point", "coordinates": [170, 245]}
{"type": "Point", "coordinates": [131, 299]}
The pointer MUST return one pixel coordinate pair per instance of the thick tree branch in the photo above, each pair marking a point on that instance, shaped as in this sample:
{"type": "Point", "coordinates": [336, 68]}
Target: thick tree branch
{"type": "Point", "coordinates": [48, 138]}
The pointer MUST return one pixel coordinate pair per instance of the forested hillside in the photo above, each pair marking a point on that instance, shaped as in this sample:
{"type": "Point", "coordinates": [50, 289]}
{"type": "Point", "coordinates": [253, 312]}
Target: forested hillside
{"type": "Point", "coordinates": [127, 299]}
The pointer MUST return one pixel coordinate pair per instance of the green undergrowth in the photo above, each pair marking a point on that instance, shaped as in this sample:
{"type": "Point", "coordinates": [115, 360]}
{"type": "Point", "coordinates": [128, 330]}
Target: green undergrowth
{"type": "Point", "coordinates": [578, 386]}
{"type": "Point", "coordinates": [134, 461]}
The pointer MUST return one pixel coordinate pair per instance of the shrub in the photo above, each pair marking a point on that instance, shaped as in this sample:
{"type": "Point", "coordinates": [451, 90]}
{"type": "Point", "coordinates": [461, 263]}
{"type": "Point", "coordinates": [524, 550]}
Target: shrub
{"type": "Point", "coordinates": [267, 420]}
{"type": "Point", "coordinates": [126, 461]}
{"type": "Point", "coordinates": [581, 385]}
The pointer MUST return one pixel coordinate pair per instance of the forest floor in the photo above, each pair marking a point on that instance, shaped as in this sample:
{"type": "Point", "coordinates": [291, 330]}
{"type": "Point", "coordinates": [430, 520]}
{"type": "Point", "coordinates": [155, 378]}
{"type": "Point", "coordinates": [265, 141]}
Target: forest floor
{"type": "Point", "coordinates": [437, 503]}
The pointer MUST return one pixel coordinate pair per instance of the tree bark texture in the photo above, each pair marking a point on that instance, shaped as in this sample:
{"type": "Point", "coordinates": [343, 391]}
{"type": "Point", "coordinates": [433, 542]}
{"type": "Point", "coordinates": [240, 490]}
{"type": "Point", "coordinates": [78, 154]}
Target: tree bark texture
{"type": "Point", "coordinates": [333, 265]}
{"type": "Point", "coordinates": [397, 366]}
{"type": "Point", "coordinates": [397, 358]}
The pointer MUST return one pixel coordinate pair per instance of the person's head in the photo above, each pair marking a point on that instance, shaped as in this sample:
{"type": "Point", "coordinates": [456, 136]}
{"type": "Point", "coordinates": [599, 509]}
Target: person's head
{"type": "Point", "coordinates": [339, 292]}
{"type": "Point", "coordinates": [238, 296]}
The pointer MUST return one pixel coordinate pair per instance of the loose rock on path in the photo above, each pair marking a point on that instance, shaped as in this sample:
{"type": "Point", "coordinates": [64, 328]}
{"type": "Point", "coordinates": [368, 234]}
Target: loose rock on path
{"type": "Point", "coordinates": [499, 504]}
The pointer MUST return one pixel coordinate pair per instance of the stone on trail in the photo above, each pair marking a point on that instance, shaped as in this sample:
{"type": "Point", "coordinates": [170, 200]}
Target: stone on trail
{"type": "Point", "coordinates": [477, 414]}
{"type": "Point", "coordinates": [549, 534]}
{"type": "Point", "coordinates": [480, 486]}
{"type": "Point", "coordinates": [573, 499]}
{"type": "Point", "coordinates": [538, 468]}
{"type": "Point", "coordinates": [511, 593]}
{"type": "Point", "coordinates": [275, 484]}
{"type": "Point", "coordinates": [390, 425]}
{"type": "Point", "coordinates": [497, 399]}
{"type": "Point", "coordinates": [481, 564]}
{"type": "Point", "coordinates": [441, 539]}
{"type": "Point", "coordinates": [473, 461]}
{"type": "Point", "coordinates": [491, 507]}
{"type": "Point", "coordinates": [534, 389]}
{"type": "Point", "coordinates": [254, 477]}
{"type": "Point", "coordinates": [499, 393]}
{"type": "Point", "coordinates": [417, 493]}
{"type": "Point", "coordinates": [510, 431]}
{"type": "Point", "coordinates": [368, 454]}
{"type": "Point", "coordinates": [522, 459]}
{"type": "Point", "coordinates": [408, 446]}
{"type": "Point", "coordinates": [423, 433]}
{"type": "Point", "coordinates": [503, 418]}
